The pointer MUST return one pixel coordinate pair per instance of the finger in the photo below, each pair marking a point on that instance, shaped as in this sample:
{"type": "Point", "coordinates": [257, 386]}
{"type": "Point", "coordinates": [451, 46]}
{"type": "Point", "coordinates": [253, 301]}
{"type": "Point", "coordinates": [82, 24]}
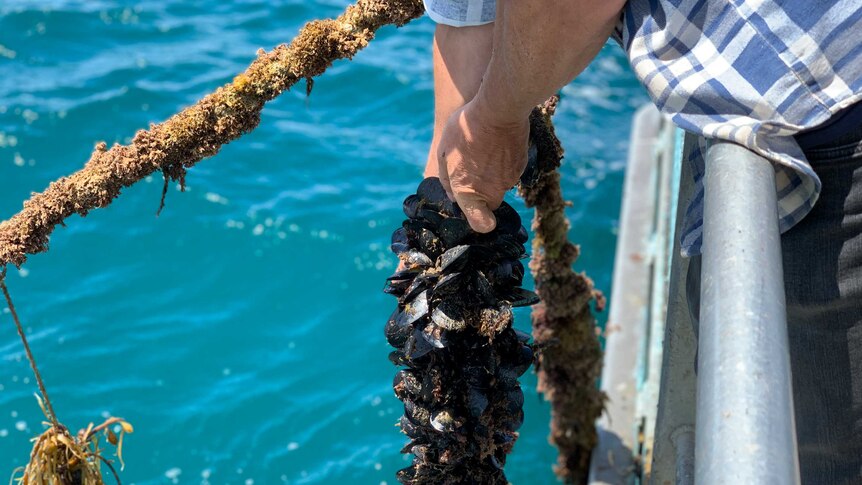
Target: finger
{"type": "Point", "coordinates": [478, 214]}
{"type": "Point", "coordinates": [444, 176]}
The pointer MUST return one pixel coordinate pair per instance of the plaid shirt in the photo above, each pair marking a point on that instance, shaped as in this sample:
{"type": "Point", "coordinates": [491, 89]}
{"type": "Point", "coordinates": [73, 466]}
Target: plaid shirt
{"type": "Point", "coordinates": [754, 72]}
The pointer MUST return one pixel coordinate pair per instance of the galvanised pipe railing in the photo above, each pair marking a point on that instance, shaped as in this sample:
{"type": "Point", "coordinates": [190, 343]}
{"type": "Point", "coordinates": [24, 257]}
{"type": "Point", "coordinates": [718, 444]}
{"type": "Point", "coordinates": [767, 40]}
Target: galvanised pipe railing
{"type": "Point", "coordinates": [745, 424]}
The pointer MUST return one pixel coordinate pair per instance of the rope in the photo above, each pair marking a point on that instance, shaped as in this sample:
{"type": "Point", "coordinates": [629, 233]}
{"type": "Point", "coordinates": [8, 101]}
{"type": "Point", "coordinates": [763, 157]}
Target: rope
{"type": "Point", "coordinates": [200, 130]}
{"type": "Point", "coordinates": [51, 415]}
{"type": "Point", "coordinates": [570, 358]}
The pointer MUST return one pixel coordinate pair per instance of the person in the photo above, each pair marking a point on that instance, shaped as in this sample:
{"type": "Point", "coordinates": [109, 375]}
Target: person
{"type": "Point", "coordinates": [783, 79]}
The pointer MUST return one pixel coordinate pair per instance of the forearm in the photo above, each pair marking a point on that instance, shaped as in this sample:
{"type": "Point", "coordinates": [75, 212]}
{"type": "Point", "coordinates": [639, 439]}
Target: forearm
{"type": "Point", "coordinates": [461, 56]}
{"type": "Point", "coordinates": [539, 47]}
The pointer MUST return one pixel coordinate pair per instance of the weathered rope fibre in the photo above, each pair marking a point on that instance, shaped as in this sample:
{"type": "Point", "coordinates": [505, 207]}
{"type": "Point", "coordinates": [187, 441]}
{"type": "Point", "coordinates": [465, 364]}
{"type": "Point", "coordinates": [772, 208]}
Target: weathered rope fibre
{"type": "Point", "coordinates": [564, 329]}
{"type": "Point", "coordinates": [199, 130]}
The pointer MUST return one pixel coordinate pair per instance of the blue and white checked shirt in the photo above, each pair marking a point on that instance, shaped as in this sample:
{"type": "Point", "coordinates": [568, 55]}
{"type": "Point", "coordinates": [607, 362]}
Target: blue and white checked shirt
{"type": "Point", "coordinates": [754, 72]}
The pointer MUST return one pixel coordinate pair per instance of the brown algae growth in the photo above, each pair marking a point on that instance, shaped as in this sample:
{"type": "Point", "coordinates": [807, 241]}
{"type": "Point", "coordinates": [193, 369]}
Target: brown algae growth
{"type": "Point", "coordinates": [58, 458]}
{"type": "Point", "coordinates": [564, 329]}
{"type": "Point", "coordinates": [200, 130]}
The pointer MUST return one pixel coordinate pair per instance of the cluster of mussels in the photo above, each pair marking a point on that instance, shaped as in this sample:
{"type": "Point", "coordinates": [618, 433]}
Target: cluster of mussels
{"type": "Point", "coordinates": [452, 331]}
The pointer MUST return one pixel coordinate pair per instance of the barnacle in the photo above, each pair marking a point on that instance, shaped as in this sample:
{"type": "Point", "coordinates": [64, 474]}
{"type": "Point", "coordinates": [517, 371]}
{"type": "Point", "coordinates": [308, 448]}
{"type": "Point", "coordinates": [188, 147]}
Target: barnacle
{"type": "Point", "coordinates": [452, 333]}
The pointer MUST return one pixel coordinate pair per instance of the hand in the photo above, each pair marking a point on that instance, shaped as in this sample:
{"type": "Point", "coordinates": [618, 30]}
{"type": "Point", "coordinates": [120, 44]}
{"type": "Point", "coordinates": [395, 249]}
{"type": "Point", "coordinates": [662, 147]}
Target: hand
{"type": "Point", "coordinates": [479, 160]}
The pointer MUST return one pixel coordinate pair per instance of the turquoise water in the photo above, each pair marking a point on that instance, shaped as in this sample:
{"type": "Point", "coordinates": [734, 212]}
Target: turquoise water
{"type": "Point", "coordinates": [241, 331]}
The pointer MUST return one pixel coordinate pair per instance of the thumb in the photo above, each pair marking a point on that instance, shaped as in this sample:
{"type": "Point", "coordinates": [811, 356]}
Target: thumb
{"type": "Point", "coordinates": [478, 214]}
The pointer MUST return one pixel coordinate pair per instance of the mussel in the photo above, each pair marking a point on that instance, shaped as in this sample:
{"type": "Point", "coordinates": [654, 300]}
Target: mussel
{"type": "Point", "coordinates": [452, 333]}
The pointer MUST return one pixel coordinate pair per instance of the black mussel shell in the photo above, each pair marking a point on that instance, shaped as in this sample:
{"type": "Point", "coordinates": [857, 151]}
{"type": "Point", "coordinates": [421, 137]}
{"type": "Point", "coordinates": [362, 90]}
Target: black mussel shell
{"type": "Point", "coordinates": [477, 402]}
{"type": "Point", "coordinates": [408, 382]}
{"type": "Point", "coordinates": [406, 475]}
{"type": "Point", "coordinates": [399, 241]}
{"type": "Point", "coordinates": [430, 244]}
{"type": "Point", "coordinates": [417, 347]}
{"type": "Point", "coordinates": [454, 231]}
{"type": "Point", "coordinates": [418, 285]}
{"type": "Point", "coordinates": [445, 421]}
{"type": "Point", "coordinates": [522, 236]}
{"type": "Point", "coordinates": [483, 289]}
{"type": "Point", "coordinates": [430, 216]}
{"type": "Point", "coordinates": [518, 270]}
{"type": "Point", "coordinates": [413, 227]}
{"type": "Point", "coordinates": [396, 287]}
{"type": "Point", "coordinates": [398, 357]}
{"type": "Point", "coordinates": [431, 190]}
{"type": "Point", "coordinates": [506, 274]}
{"type": "Point", "coordinates": [423, 452]}
{"type": "Point", "coordinates": [407, 274]}
{"type": "Point", "coordinates": [417, 413]}
{"type": "Point", "coordinates": [504, 437]}
{"type": "Point", "coordinates": [397, 331]}
{"type": "Point", "coordinates": [448, 316]}
{"type": "Point", "coordinates": [450, 283]}
{"type": "Point", "coordinates": [478, 376]}
{"type": "Point", "coordinates": [413, 258]}
{"type": "Point", "coordinates": [434, 335]}
{"type": "Point", "coordinates": [506, 247]}
{"type": "Point", "coordinates": [411, 206]}
{"type": "Point", "coordinates": [508, 219]}
{"type": "Point", "coordinates": [515, 366]}
{"type": "Point", "coordinates": [531, 173]}
{"type": "Point", "coordinates": [414, 309]}
{"type": "Point", "coordinates": [513, 422]}
{"type": "Point", "coordinates": [521, 297]}
{"type": "Point", "coordinates": [514, 399]}
{"type": "Point", "coordinates": [455, 259]}
{"type": "Point", "coordinates": [410, 428]}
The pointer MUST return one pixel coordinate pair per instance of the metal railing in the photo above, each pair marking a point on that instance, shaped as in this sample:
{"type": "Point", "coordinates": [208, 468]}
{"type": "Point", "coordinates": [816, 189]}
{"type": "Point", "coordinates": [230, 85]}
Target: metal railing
{"type": "Point", "coordinates": [732, 421]}
{"type": "Point", "coordinates": [745, 429]}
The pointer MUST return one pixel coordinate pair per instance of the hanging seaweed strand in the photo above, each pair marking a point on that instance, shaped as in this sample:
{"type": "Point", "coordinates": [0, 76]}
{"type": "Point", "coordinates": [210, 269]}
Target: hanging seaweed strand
{"type": "Point", "coordinates": [570, 358]}
{"type": "Point", "coordinates": [50, 407]}
{"type": "Point", "coordinates": [57, 455]}
{"type": "Point", "coordinates": [200, 130]}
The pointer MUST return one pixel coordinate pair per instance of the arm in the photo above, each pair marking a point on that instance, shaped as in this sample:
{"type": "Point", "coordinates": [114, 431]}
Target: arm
{"type": "Point", "coordinates": [539, 46]}
{"type": "Point", "coordinates": [461, 56]}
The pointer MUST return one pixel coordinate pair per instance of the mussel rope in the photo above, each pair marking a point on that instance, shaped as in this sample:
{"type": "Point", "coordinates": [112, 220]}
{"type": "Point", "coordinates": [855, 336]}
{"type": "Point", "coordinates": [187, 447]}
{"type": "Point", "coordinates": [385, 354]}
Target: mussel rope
{"type": "Point", "coordinates": [200, 130]}
{"type": "Point", "coordinates": [570, 356]}
{"type": "Point", "coordinates": [50, 407]}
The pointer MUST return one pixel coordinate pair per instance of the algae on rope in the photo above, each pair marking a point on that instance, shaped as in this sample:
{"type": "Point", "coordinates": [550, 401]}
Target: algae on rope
{"type": "Point", "coordinates": [564, 329]}
{"type": "Point", "coordinates": [200, 130]}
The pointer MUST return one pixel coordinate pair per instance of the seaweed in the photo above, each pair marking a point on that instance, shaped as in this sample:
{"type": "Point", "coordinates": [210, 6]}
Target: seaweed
{"type": "Point", "coordinates": [58, 458]}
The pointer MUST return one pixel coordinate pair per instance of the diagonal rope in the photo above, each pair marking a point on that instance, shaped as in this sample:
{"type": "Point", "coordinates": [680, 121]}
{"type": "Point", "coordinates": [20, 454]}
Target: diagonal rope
{"type": "Point", "coordinates": [200, 130]}
{"type": "Point", "coordinates": [51, 414]}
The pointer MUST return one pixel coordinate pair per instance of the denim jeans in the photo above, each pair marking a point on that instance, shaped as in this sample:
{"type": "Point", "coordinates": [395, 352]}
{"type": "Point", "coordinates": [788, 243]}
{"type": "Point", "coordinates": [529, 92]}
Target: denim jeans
{"type": "Point", "coordinates": [823, 281]}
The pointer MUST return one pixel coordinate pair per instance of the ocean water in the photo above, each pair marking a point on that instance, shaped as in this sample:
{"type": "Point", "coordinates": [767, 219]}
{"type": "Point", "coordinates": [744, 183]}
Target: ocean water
{"type": "Point", "coordinates": [241, 331]}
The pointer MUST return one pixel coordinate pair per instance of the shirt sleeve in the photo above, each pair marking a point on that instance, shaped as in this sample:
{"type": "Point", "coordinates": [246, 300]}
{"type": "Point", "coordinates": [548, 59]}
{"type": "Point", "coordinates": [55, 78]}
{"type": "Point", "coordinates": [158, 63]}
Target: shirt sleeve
{"type": "Point", "coordinates": [461, 13]}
